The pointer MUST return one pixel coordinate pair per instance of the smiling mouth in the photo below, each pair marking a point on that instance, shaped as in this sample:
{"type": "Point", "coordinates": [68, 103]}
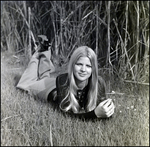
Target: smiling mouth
{"type": "Point", "coordinates": [82, 75]}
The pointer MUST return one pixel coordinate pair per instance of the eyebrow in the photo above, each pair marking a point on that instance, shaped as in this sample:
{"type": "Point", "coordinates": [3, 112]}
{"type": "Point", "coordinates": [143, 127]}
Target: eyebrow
{"type": "Point", "coordinates": [82, 63]}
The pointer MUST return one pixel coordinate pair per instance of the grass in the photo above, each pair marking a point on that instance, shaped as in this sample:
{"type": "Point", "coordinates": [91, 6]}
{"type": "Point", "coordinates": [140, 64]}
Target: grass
{"type": "Point", "coordinates": [26, 121]}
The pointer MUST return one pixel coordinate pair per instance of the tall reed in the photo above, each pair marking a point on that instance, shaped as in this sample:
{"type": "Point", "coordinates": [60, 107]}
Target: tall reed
{"type": "Point", "coordinates": [110, 31]}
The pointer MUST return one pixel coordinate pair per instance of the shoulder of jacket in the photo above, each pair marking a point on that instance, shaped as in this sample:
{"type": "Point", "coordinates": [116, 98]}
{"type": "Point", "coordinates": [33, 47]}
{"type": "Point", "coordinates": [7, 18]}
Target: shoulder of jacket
{"type": "Point", "coordinates": [62, 79]}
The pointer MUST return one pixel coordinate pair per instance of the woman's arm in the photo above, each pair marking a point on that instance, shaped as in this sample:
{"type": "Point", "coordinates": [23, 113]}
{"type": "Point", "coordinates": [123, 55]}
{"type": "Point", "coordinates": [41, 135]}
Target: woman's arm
{"type": "Point", "coordinates": [87, 115]}
{"type": "Point", "coordinates": [105, 106]}
{"type": "Point", "coordinates": [101, 90]}
{"type": "Point", "coordinates": [104, 110]}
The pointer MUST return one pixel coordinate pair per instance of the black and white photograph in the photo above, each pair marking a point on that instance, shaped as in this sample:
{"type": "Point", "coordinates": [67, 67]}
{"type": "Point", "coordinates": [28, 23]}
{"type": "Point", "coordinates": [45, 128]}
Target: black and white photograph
{"type": "Point", "coordinates": [74, 73]}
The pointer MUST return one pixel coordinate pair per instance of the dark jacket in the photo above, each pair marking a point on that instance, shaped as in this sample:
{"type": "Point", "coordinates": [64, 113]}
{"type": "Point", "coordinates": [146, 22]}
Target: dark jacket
{"type": "Point", "coordinates": [62, 85]}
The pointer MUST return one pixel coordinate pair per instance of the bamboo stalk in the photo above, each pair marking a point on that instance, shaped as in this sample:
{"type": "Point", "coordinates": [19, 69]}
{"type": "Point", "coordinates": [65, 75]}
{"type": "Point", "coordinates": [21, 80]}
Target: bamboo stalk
{"type": "Point", "coordinates": [25, 8]}
{"type": "Point", "coordinates": [137, 40]}
{"type": "Point", "coordinates": [61, 26]}
{"type": "Point", "coordinates": [29, 46]}
{"type": "Point", "coordinates": [123, 46]}
{"type": "Point", "coordinates": [97, 32]}
{"type": "Point", "coordinates": [53, 18]}
{"type": "Point", "coordinates": [146, 39]}
{"type": "Point", "coordinates": [108, 33]}
{"type": "Point", "coordinates": [126, 29]}
{"type": "Point", "coordinates": [108, 37]}
{"type": "Point", "coordinates": [28, 25]}
{"type": "Point", "coordinates": [89, 14]}
{"type": "Point", "coordinates": [103, 22]}
{"type": "Point", "coordinates": [136, 82]}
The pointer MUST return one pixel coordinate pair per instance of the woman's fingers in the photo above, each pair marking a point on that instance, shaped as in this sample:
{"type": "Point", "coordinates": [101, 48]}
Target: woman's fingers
{"type": "Point", "coordinates": [110, 111]}
{"type": "Point", "coordinates": [108, 107]}
{"type": "Point", "coordinates": [105, 108]}
{"type": "Point", "coordinates": [111, 106]}
{"type": "Point", "coordinates": [108, 103]}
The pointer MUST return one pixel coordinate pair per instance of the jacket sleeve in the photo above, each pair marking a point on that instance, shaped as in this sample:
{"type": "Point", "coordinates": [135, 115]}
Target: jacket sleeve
{"type": "Point", "coordinates": [101, 96]}
{"type": "Point", "coordinates": [61, 86]}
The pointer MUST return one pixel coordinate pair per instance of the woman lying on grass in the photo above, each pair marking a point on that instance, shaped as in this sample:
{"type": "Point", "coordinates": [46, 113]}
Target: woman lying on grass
{"type": "Point", "coordinates": [80, 91]}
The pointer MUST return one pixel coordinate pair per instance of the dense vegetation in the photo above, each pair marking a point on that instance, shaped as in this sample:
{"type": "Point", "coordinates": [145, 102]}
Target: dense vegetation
{"type": "Point", "coordinates": [118, 31]}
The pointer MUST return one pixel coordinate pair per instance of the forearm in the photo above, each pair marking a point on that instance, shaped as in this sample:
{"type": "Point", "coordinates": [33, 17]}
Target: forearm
{"type": "Point", "coordinates": [87, 115]}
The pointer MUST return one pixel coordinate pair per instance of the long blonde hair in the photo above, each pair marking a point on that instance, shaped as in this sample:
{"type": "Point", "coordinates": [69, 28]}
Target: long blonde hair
{"type": "Point", "coordinates": [83, 51]}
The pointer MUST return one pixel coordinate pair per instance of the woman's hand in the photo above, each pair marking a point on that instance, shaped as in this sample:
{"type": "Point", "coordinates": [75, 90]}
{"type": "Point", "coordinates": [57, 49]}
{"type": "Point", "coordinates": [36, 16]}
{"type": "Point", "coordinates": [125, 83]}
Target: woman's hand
{"type": "Point", "coordinates": [105, 109]}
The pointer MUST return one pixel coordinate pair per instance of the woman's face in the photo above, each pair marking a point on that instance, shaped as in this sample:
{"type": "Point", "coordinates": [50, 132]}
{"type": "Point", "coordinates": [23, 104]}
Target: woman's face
{"type": "Point", "coordinates": [82, 69]}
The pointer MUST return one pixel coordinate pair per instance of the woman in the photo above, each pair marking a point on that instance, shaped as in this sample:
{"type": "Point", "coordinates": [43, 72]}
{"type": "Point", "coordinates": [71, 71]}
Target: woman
{"type": "Point", "coordinates": [79, 91]}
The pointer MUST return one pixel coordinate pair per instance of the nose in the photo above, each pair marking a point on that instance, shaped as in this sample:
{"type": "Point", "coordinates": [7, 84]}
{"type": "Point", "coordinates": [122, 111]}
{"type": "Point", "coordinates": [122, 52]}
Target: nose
{"type": "Point", "coordinates": [83, 68]}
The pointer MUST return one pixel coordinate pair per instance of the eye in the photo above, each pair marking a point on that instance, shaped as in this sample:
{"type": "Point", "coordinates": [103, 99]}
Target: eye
{"type": "Point", "coordinates": [89, 66]}
{"type": "Point", "coordinates": [79, 64]}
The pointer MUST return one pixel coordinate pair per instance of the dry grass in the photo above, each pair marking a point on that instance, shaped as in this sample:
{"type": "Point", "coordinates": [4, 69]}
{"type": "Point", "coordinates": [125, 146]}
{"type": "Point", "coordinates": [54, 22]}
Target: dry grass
{"type": "Point", "coordinates": [29, 122]}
